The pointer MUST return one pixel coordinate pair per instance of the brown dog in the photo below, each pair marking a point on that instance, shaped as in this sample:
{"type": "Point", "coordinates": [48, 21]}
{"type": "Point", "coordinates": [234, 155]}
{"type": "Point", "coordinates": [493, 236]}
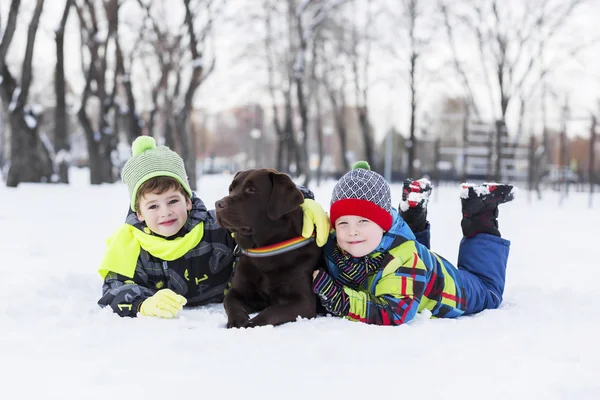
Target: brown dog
{"type": "Point", "coordinates": [263, 209]}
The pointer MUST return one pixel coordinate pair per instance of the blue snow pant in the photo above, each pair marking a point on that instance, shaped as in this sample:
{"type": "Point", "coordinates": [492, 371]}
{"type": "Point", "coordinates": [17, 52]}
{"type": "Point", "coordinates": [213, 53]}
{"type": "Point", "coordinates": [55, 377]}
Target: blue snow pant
{"type": "Point", "coordinates": [481, 270]}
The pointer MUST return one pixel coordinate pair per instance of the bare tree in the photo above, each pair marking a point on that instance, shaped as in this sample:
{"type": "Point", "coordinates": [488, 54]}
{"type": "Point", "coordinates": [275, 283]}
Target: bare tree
{"type": "Point", "coordinates": [278, 51]}
{"type": "Point", "coordinates": [511, 43]}
{"type": "Point", "coordinates": [316, 99]}
{"type": "Point", "coordinates": [61, 128]}
{"type": "Point", "coordinates": [310, 17]}
{"type": "Point", "coordinates": [592, 159]}
{"type": "Point", "coordinates": [30, 158]}
{"type": "Point", "coordinates": [196, 43]}
{"type": "Point", "coordinates": [182, 68]}
{"type": "Point", "coordinates": [166, 50]}
{"type": "Point", "coordinates": [284, 134]}
{"type": "Point", "coordinates": [413, 36]}
{"type": "Point", "coordinates": [335, 82]}
{"type": "Point", "coordinates": [361, 63]}
{"type": "Point", "coordinates": [458, 66]}
{"type": "Point", "coordinates": [270, 63]}
{"type": "Point", "coordinates": [122, 78]}
{"type": "Point", "coordinates": [100, 136]}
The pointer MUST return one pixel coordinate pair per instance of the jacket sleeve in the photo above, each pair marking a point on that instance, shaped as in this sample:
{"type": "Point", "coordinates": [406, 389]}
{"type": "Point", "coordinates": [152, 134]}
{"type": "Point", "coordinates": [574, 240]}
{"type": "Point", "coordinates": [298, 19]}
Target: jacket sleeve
{"type": "Point", "coordinates": [124, 295]}
{"type": "Point", "coordinates": [397, 295]}
{"type": "Point", "coordinates": [306, 192]}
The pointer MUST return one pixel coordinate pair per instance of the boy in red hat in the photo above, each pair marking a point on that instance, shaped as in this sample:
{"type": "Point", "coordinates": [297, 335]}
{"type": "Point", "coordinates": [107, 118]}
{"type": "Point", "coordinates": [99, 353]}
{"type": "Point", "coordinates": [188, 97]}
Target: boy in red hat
{"type": "Point", "coordinates": [379, 273]}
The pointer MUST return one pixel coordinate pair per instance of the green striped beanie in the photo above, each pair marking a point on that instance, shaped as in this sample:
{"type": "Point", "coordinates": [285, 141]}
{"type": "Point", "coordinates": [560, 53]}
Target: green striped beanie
{"type": "Point", "coordinates": [149, 161]}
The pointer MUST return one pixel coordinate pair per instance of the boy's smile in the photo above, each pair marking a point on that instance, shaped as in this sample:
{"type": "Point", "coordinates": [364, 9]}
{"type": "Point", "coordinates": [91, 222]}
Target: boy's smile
{"type": "Point", "coordinates": [164, 213]}
{"type": "Point", "coordinates": [355, 242]}
{"type": "Point", "coordinates": [357, 235]}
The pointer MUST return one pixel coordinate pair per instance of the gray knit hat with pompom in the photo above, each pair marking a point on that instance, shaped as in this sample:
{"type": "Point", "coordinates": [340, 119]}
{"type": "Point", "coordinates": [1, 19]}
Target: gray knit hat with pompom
{"type": "Point", "coordinates": [364, 193]}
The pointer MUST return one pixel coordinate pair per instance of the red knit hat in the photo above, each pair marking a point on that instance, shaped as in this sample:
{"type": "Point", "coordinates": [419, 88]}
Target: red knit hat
{"type": "Point", "coordinates": [364, 193]}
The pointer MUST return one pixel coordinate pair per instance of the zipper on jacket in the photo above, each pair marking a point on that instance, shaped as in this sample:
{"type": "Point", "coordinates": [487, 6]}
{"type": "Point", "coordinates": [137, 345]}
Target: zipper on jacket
{"type": "Point", "coordinates": [375, 280]}
{"type": "Point", "coordinates": [165, 268]}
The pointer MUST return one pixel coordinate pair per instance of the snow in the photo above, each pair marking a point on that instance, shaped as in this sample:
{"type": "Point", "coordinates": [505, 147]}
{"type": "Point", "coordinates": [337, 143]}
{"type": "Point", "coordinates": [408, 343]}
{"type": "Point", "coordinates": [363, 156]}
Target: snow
{"type": "Point", "coordinates": [481, 190]}
{"type": "Point", "coordinates": [63, 156]}
{"type": "Point", "coordinates": [30, 121]}
{"type": "Point", "coordinates": [415, 197]}
{"type": "Point", "coordinates": [37, 109]}
{"type": "Point", "coordinates": [197, 63]}
{"type": "Point", "coordinates": [15, 97]}
{"type": "Point", "coordinates": [56, 343]}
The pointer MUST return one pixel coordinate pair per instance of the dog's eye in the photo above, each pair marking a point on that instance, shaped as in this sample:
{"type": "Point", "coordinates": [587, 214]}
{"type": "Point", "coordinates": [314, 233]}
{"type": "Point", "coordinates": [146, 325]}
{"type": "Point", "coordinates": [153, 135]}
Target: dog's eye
{"type": "Point", "coordinates": [230, 188]}
{"type": "Point", "coordinates": [250, 190]}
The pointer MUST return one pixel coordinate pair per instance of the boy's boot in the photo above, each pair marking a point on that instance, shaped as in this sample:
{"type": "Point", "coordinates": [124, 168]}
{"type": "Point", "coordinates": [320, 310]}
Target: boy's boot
{"type": "Point", "coordinates": [413, 207]}
{"type": "Point", "coordinates": [480, 207]}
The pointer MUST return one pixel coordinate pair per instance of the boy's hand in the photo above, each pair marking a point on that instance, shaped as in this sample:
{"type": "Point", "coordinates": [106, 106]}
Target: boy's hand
{"type": "Point", "coordinates": [331, 294]}
{"type": "Point", "coordinates": [315, 216]}
{"type": "Point", "coordinates": [164, 304]}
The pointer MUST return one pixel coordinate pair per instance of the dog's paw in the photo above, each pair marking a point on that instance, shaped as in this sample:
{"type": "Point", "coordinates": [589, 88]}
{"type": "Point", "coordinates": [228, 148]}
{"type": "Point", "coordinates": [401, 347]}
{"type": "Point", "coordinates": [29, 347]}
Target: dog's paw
{"type": "Point", "coordinates": [237, 322]}
{"type": "Point", "coordinates": [250, 324]}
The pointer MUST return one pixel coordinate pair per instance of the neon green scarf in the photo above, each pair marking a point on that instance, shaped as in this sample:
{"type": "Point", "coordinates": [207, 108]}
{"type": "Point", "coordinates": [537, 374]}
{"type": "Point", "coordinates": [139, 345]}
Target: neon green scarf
{"type": "Point", "coordinates": [125, 243]}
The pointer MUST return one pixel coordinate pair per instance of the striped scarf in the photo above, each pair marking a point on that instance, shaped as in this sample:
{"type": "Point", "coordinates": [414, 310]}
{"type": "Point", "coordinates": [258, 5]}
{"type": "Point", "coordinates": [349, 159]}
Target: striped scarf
{"type": "Point", "coordinates": [355, 270]}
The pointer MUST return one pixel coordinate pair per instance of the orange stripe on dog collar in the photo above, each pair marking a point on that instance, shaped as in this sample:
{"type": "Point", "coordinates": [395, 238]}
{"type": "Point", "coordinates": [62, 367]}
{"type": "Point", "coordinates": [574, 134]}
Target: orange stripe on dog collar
{"type": "Point", "coordinates": [277, 248]}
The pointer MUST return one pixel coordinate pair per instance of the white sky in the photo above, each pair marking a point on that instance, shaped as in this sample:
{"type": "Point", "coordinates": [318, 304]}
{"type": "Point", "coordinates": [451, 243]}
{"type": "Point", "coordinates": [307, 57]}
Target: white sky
{"type": "Point", "coordinates": [57, 344]}
{"type": "Point", "coordinates": [234, 83]}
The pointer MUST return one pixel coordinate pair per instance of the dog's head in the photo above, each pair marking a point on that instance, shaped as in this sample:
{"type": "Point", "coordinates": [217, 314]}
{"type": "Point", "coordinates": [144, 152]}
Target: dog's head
{"type": "Point", "coordinates": [258, 201]}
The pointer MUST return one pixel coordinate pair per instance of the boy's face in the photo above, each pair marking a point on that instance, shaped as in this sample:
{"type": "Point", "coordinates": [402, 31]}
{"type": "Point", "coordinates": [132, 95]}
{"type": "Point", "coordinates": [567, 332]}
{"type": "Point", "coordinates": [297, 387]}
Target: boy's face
{"type": "Point", "coordinates": [165, 213]}
{"type": "Point", "coordinates": [357, 235]}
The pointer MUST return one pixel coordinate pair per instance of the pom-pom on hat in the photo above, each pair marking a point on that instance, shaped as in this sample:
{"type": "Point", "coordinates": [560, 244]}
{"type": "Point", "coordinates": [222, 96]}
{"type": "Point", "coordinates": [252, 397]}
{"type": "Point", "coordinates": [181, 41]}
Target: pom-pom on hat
{"type": "Point", "coordinates": [364, 193]}
{"type": "Point", "coordinates": [149, 161]}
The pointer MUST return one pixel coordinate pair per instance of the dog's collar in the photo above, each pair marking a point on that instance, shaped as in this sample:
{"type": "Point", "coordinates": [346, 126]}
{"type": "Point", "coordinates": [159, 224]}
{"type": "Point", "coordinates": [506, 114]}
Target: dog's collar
{"type": "Point", "coordinates": [274, 249]}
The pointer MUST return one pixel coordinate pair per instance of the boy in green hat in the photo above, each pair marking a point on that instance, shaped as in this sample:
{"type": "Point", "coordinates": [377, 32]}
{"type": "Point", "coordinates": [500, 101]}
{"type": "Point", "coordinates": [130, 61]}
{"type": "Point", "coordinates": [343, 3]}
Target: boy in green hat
{"type": "Point", "coordinates": [171, 252]}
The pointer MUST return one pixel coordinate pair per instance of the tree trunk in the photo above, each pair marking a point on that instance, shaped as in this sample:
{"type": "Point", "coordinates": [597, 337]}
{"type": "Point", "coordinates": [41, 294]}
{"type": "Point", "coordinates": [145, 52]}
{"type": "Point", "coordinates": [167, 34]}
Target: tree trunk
{"type": "Point", "coordinates": [280, 142]}
{"type": "Point", "coordinates": [412, 148]}
{"type": "Point", "coordinates": [290, 143]}
{"type": "Point", "coordinates": [134, 124]}
{"type": "Point", "coordinates": [302, 167]}
{"type": "Point", "coordinates": [101, 142]}
{"type": "Point", "coordinates": [61, 129]}
{"type": "Point", "coordinates": [500, 135]}
{"type": "Point", "coordinates": [465, 142]}
{"type": "Point", "coordinates": [187, 150]}
{"type": "Point", "coordinates": [100, 147]}
{"type": "Point", "coordinates": [30, 160]}
{"type": "Point", "coordinates": [591, 169]}
{"type": "Point", "coordinates": [363, 123]}
{"type": "Point", "coordinates": [343, 136]}
{"type": "Point", "coordinates": [319, 132]}
{"type": "Point", "coordinates": [531, 166]}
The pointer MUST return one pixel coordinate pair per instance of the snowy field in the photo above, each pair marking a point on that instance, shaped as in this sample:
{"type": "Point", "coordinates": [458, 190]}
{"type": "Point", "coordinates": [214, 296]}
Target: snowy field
{"type": "Point", "coordinates": [56, 343]}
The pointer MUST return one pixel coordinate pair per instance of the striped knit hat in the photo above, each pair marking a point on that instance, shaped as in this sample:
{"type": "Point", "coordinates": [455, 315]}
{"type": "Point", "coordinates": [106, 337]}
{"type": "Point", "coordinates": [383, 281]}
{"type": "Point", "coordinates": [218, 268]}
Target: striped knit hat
{"type": "Point", "coordinates": [149, 161]}
{"type": "Point", "coordinates": [364, 193]}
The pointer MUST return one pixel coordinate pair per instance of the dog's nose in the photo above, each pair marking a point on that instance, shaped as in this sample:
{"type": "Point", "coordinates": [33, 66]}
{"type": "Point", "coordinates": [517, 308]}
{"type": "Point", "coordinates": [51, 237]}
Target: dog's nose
{"type": "Point", "coordinates": [220, 204]}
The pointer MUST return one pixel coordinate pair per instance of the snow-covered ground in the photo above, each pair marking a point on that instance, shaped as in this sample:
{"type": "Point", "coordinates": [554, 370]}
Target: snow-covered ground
{"type": "Point", "coordinates": [56, 343]}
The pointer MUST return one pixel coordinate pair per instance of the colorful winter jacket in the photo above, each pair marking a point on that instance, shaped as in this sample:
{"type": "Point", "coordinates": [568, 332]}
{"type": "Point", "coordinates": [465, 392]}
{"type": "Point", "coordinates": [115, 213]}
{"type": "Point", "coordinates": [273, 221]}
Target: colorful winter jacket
{"type": "Point", "coordinates": [409, 279]}
{"type": "Point", "coordinates": [196, 264]}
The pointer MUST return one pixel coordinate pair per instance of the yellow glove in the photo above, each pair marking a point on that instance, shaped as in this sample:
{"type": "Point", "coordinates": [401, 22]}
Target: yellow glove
{"type": "Point", "coordinates": [164, 304]}
{"type": "Point", "coordinates": [315, 216]}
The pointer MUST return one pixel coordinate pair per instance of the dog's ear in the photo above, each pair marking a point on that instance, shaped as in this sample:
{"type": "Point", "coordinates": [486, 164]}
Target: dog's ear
{"type": "Point", "coordinates": [285, 197]}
